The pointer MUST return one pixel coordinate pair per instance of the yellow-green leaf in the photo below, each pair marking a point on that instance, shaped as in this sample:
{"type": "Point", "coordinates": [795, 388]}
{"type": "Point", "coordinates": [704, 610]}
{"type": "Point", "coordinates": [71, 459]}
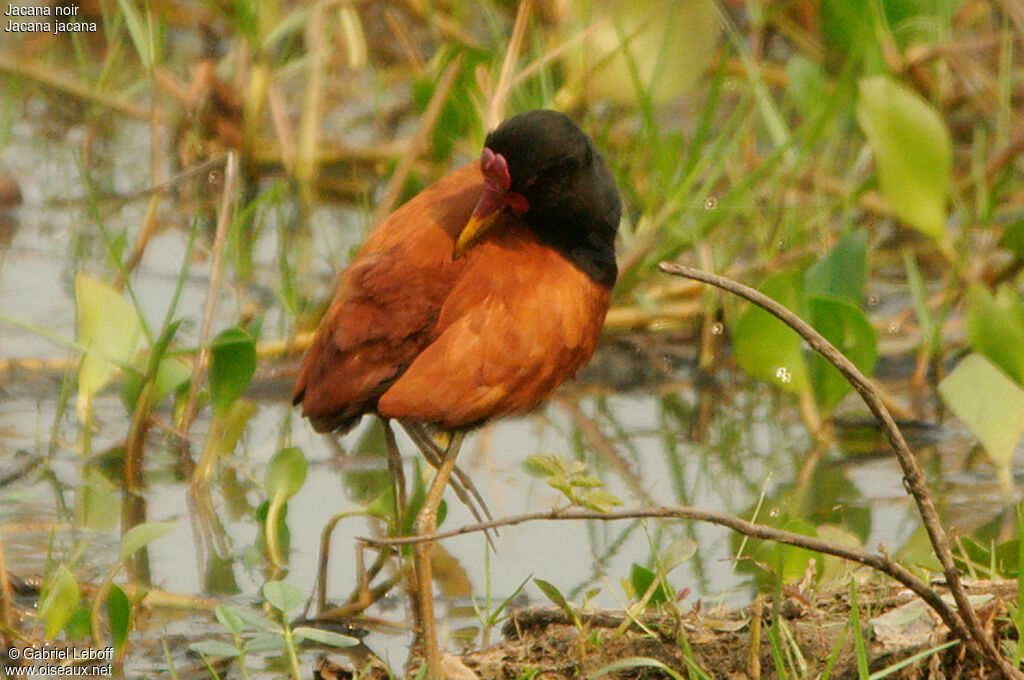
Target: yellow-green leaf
{"type": "Point", "coordinates": [60, 601]}
{"type": "Point", "coordinates": [232, 364]}
{"type": "Point", "coordinates": [142, 535]}
{"type": "Point", "coordinates": [995, 328]}
{"type": "Point", "coordinates": [912, 150]}
{"type": "Point", "coordinates": [768, 349]}
{"type": "Point", "coordinates": [991, 405]}
{"type": "Point", "coordinates": [108, 326]}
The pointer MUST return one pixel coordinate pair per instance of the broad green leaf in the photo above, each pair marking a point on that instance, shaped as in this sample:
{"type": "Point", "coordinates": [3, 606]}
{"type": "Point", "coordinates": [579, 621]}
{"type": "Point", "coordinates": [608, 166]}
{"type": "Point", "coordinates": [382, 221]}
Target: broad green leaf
{"type": "Point", "coordinates": [97, 500]}
{"type": "Point", "coordinates": [765, 347]}
{"type": "Point", "coordinates": [168, 374]}
{"type": "Point", "coordinates": [60, 601]}
{"type": "Point", "coordinates": [214, 648]}
{"type": "Point", "coordinates": [641, 578]}
{"type": "Point", "coordinates": [229, 618]}
{"type": "Point", "coordinates": [848, 27]}
{"type": "Point", "coordinates": [807, 85]}
{"type": "Point", "coordinates": [266, 643]}
{"type": "Point", "coordinates": [119, 611]}
{"type": "Point", "coordinates": [285, 474]}
{"type": "Point", "coordinates": [78, 624]}
{"type": "Point", "coordinates": [995, 328]}
{"type": "Point", "coordinates": [142, 535]}
{"type": "Point", "coordinates": [256, 621]}
{"type": "Point", "coordinates": [171, 374]}
{"type": "Point", "coordinates": [991, 405]}
{"type": "Point", "coordinates": [842, 271]}
{"type": "Point", "coordinates": [845, 326]}
{"type": "Point", "coordinates": [834, 571]}
{"type": "Point", "coordinates": [232, 364]}
{"type": "Point", "coordinates": [282, 596]}
{"type": "Point", "coordinates": [912, 151]}
{"type": "Point", "coordinates": [325, 637]}
{"type": "Point", "coordinates": [108, 325]}
{"type": "Point", "coordinates": [794, 559]}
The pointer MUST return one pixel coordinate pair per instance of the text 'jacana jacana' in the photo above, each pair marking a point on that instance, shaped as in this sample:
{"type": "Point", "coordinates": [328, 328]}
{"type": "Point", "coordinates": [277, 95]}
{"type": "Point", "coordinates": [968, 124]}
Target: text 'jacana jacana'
{"type": "Point", "coordinates": [473, 300]}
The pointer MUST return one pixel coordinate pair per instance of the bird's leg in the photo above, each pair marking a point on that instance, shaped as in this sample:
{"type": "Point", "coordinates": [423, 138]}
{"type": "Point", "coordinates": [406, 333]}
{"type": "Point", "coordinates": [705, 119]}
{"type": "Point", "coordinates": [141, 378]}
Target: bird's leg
{"type": "Point", "coordinates": [425, 525]}
{"type": "Point", "coordinates": [396, 472]}
{"type": "Point", "coordinates": [462, 485]}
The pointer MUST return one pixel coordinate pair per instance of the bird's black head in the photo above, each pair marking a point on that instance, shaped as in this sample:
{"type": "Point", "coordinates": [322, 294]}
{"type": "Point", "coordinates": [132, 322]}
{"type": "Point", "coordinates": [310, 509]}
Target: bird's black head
{"type": "Point", "coordinates": [541, 166]}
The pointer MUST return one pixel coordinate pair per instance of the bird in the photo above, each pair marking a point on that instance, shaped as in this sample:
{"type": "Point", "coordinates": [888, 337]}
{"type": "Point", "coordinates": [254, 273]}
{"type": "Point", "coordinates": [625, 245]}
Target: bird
{"type": "Point", "coordinates": [472, 301]}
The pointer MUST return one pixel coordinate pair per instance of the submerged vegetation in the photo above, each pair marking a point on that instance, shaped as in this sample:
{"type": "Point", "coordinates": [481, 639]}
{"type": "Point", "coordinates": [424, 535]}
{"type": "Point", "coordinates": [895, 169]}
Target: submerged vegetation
{"type": "Point", "coordinates": [178, 187]}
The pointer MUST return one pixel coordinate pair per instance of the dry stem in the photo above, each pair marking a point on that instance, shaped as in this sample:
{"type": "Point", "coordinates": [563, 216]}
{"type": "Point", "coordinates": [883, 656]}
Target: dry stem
{"type": "Point", "coordinates": [427, 120]}
{"type": "Point", "coordinates": [220, 238]}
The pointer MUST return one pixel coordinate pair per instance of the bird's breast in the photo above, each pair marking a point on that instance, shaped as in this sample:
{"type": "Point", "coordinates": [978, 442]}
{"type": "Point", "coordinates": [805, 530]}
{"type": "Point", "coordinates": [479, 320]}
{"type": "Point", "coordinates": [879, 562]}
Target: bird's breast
{"type": "Point", "coordinates": [518, 321]}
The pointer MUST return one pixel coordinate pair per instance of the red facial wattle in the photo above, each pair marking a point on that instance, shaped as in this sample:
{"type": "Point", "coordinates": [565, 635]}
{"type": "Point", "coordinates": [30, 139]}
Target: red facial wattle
{"type": "Point", "coordinates": [497, 181]}
{"type": "Point", "coordinates": [494, 199]}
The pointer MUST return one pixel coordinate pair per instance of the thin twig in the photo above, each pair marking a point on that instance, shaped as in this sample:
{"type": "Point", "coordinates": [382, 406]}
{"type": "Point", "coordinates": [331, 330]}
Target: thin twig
{"type": "Point", "coordinates": [879, 562]}
{"type": "Point", "coordinates": [440, 21]}
{"type": "Point", "coordinates": [44, 75]}
{"type": "Point", "coordinates": [397, 181]}
{"type": "Point", "coordinates": [212, 292]}
{"type": "Point", "coordinates": [496, 107]}
{"type": "Point", "coordinates": [461, 483]}
{"type": "Point", "coordinates": [913, 478]}
{"type": "Point", "coordinates": [555, 53]}
{"type": "Point", "coordinates": [307, 156]}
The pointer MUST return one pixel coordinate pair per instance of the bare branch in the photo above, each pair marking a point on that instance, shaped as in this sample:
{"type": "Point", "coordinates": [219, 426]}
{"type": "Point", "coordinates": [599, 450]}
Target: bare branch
{"type": "Point", "coordinates": [879, 562]}
{"type": "Point", "coordinates": [913, 479]}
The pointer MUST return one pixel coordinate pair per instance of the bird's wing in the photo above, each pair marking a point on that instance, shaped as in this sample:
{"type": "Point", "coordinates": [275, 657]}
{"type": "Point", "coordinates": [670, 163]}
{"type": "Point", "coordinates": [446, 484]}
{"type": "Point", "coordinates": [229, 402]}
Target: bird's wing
{"type": "Point", "coordinates": [519, 320]}
{"type": "Point", "coordinates": [387, 304]}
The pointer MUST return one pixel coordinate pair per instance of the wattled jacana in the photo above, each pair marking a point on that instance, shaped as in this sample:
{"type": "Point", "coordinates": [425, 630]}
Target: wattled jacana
{"type": "Point", "coordinates": [473, 300]}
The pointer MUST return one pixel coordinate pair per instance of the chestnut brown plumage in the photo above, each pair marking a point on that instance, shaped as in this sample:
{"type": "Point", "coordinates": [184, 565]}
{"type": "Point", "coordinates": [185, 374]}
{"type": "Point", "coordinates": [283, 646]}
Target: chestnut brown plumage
{"type": "Point", "coordinates": [475, 299]}
{"type": "Point", "coordinates": [418, 335]}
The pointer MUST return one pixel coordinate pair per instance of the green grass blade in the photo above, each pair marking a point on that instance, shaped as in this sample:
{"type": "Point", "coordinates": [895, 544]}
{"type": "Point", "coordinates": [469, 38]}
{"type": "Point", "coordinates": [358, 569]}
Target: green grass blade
{"type": "Point", "coordinates": [886, 672]}
{"type": "Point", "coordinates": [827, 673]}
{"type": "Point", "coordinates": [777, 655]}
{"type": "Point", "coordinates": [858, 634]}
